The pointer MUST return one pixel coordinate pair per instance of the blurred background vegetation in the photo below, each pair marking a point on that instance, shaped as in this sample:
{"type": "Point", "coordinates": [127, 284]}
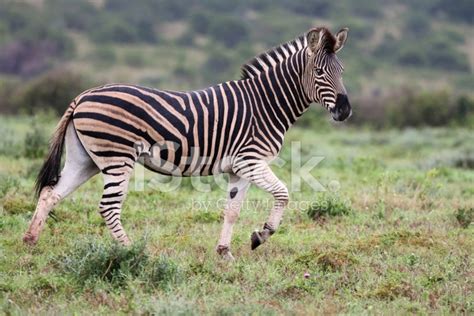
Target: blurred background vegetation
{"type": "Point", "coordinates": [408, 63]}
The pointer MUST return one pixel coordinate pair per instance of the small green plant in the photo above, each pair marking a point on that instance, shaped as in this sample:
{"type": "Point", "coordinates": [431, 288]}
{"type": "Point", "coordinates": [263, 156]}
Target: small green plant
{"type": "Point", "coordinates": [116, 264]}
{"type": "Point", "coordinates": [36, 142]}
{"type": "Point", "coordinates": [109, 262]}
{"type": "Point", "coordinates": [7, 183]}
{"type": "Point", "coordinates": [16, 204]}
{"type": "Point", "coordinates": [162, 273]}
{"type": "Point", "coordinates": [328, 206]}
{"type": "Point", "coordinates": [207, 217]}
{"type": "Point", "coordinates": [465, 216]}
{"type": "Point", "coordinates": [328, 259]}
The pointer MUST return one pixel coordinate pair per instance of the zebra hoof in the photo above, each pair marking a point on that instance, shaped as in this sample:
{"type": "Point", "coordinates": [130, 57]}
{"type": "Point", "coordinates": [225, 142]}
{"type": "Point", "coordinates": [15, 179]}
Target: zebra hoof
{"type": "Point", "coordinates": [30, 240]}
{"type": "Point", "coordinates": [256, 240]}
{"type": "Point", "coordinates": [225, 253]}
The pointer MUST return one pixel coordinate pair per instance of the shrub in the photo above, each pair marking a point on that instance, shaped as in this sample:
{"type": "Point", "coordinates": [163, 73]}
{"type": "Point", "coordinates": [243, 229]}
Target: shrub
{"type": "Point", "coordinates": [104, 55]}
{"type": "Point", "coordinates": [217, 66]}
{"type": "Point", "coordinates": [113, 29]}
{"type": "Point", "coordinates": [418, 23]}
{"type": "Point", "coordinates": [464, 216]}
{"type": "Point", "coordinates": [316, 118]}
{"type": "Point", "coordinates": [54, 90]}
{"type": "Point", "coordinates": [162, 273]}
{"type": "Point", "coordinates": [412, 56]}
{"type": "Point", "coordinates": [7, 183]}
{"type": "Point", "coordinates": [113, 263]}
{"type": "Point", "coordinates": [227, 30]}
{"type": "Point", "coordinates": [310, 8]}
{"type": "Point", "coordinates": [17, 204]}
{"type": "Point", "coordinates": [359, 28]}
{"type": "Point", "coordinates": [405, 108]}
{"type": "Point", "coordinates": [327, 259]}
{"type": "Point", "coordinates": [207, 217]}
{"type": "Point", "coordinates": [36, 142]}
{"type": "Point", "coordinates": [365, 8]}
{"type": "Point", "coordinates": [134, 59]}
{"type": "Point", "coordinates": [328, 206]}
{"type": "Point", "coordinates": [77, 15]}
{"type": "Point", "coordinates": [31, 45]}
{"type": "Point", "coordinates": [200, 22]}
{"type": "Point", "coordinates": [10, 143]}
{"type": "Point", "coordinates": [462, 11]}
{"type": "Point", "coordinates": [435, 54]}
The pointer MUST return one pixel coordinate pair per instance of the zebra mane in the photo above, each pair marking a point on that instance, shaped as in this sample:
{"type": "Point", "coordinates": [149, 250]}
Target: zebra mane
{"type": "Point", "coordinates": [268, 59]}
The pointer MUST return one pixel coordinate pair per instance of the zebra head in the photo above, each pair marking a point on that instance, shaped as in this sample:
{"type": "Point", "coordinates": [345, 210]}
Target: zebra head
{"type": "Point", "coordinates": [322, 79]}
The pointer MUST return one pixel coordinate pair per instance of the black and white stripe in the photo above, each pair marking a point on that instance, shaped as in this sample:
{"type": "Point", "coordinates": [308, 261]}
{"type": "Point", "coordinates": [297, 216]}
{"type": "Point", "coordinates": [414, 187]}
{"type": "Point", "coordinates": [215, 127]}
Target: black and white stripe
{"type": "Point", "coordinates": [235, 127]}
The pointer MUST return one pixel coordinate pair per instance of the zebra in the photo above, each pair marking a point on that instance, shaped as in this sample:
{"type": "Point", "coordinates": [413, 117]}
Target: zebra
{"type": "Point", "coordinates": [236, 127]}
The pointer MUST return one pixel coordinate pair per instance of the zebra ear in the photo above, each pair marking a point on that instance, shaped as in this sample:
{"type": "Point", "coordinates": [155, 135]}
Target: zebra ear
{"type": "Point", "coordinates": [314, 37]}
{"type": "Point", "coordinates": [341, 38]}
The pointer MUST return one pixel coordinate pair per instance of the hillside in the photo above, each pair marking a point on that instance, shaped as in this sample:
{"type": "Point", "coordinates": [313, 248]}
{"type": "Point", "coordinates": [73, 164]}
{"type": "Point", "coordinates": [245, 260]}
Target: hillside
{"type": "Point", "coordinates": [190, 44]}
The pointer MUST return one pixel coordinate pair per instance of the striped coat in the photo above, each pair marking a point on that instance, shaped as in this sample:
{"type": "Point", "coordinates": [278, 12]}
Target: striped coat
{"type": "Point", "coordinates": [235, 127]}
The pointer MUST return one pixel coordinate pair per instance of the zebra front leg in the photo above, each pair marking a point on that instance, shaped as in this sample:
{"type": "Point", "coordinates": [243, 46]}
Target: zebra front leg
{"type": "Point", "coordinates": [110, 206]}
{"type": "Point", "coordinates": [237, 188]}
{"type": "Point", "coordinates": [262, 176]}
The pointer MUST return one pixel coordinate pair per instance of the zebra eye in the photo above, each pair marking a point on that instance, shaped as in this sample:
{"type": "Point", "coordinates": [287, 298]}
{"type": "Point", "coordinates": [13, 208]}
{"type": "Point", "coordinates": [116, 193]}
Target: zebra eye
{"type": "Point", "coordinates": [319, 71]}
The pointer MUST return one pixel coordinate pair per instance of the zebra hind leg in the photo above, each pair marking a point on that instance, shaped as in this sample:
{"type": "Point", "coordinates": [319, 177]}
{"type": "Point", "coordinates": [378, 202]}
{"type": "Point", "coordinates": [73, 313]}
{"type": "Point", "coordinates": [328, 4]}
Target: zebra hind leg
{"type": "Point", "coordinates": [110, 206]}
{"type": "Point", "coordinates": [78, 168]}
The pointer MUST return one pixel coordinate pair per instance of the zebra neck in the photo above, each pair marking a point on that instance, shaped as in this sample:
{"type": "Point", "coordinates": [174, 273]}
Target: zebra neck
{"type": "Point", "coordinates": [279, 96]}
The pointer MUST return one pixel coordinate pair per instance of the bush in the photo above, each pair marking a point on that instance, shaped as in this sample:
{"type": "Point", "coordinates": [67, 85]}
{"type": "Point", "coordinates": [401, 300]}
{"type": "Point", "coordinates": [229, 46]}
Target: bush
{"type": "Point", "coordinates": [104, 55]}
{"type": "Point", "coordinates": [116, 264]}
{"type": "Point", "coordinates": [31, 45]}
{"type": "Point", "coordinates": [77, 15]}
{"type": "Point", "coordinates": [464, 216]}
{"type": "Point", "coordinates": [316, 117]}
{"type": "Point", "coordinates": [365, 8]}
{"type": "Point", "coordinates": [435, 54]}
{"type": "Point", "coordinates": [13, 203]}
{"type": "Point", "coordinates": [10, 144]}
{"type": "Point", "coordinates": [7, 183]}
{"type": "Point", "coordinates": [114, 29]}
{"type": "Point", "coordinates": [52, 91]}
{"type": "Point", "coordinates": [462, 11]}
{"type": "Point", "coordinates": [412, 56]}
{"type": "Point", "coordinates": [418, 24]}
{"type": "Point", "coordinates": [359, 29]}
{"type": "Point", "coordinates": [328, 206]}
{"type": "Point", "coordinates": [134, 59]}
{"type": "Point", "coordinates": [207, 217]}
{"type": "Point", "coordinates": [312, 8]}
{"type": "Point", "coordinates": [407, 108]}
{"type": "Point", "coordinates": [228, 30]}
{"type": "Point", "coordinates": [217, 66]}
{"type": "Point", "coordinates": [200, 22]}
{"type": "Point", "coordinates": [36, 142]}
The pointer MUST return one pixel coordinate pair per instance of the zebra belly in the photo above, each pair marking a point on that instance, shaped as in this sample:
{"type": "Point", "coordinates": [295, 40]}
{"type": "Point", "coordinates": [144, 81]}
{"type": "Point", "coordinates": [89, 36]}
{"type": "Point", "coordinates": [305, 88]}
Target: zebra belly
{"type": "Point", "coordinates": [193, 165]}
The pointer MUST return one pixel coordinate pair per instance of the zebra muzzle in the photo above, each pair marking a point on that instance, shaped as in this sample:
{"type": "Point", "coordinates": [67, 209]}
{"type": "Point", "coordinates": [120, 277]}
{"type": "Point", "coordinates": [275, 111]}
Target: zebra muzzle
{"type": "Point", "coordinates": [342, 110]}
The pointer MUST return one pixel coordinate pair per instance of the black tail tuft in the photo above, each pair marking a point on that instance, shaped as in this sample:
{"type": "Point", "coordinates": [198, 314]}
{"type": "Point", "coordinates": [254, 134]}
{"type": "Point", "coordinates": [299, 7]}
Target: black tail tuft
{"type": "Point", "coordinates": [49, 173]}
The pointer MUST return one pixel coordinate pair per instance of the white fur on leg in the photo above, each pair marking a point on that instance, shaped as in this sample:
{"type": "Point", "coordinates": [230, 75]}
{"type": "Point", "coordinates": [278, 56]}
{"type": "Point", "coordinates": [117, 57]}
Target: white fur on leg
{"type": "Point", "coordinates": [78, 168]}
{"type": "Point", "coordinates": [47, 200]}
{"type": "Point", "coordinates": [237, 188]}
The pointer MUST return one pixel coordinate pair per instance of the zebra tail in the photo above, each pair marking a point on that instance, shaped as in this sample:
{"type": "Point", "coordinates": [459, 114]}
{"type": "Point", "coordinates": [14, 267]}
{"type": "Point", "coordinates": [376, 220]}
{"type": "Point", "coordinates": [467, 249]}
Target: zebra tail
{"type": "Point", "coordinates": [49, 173]}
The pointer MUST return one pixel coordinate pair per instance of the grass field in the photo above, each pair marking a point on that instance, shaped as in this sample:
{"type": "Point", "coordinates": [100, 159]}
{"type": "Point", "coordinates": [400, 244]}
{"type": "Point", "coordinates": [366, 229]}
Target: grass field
{"type": "Point", "coordinates": [391, 235]}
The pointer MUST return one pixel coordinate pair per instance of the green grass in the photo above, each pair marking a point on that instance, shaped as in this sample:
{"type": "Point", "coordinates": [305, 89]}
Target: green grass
{"type": "Point", "coordinates": [393, 234]}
